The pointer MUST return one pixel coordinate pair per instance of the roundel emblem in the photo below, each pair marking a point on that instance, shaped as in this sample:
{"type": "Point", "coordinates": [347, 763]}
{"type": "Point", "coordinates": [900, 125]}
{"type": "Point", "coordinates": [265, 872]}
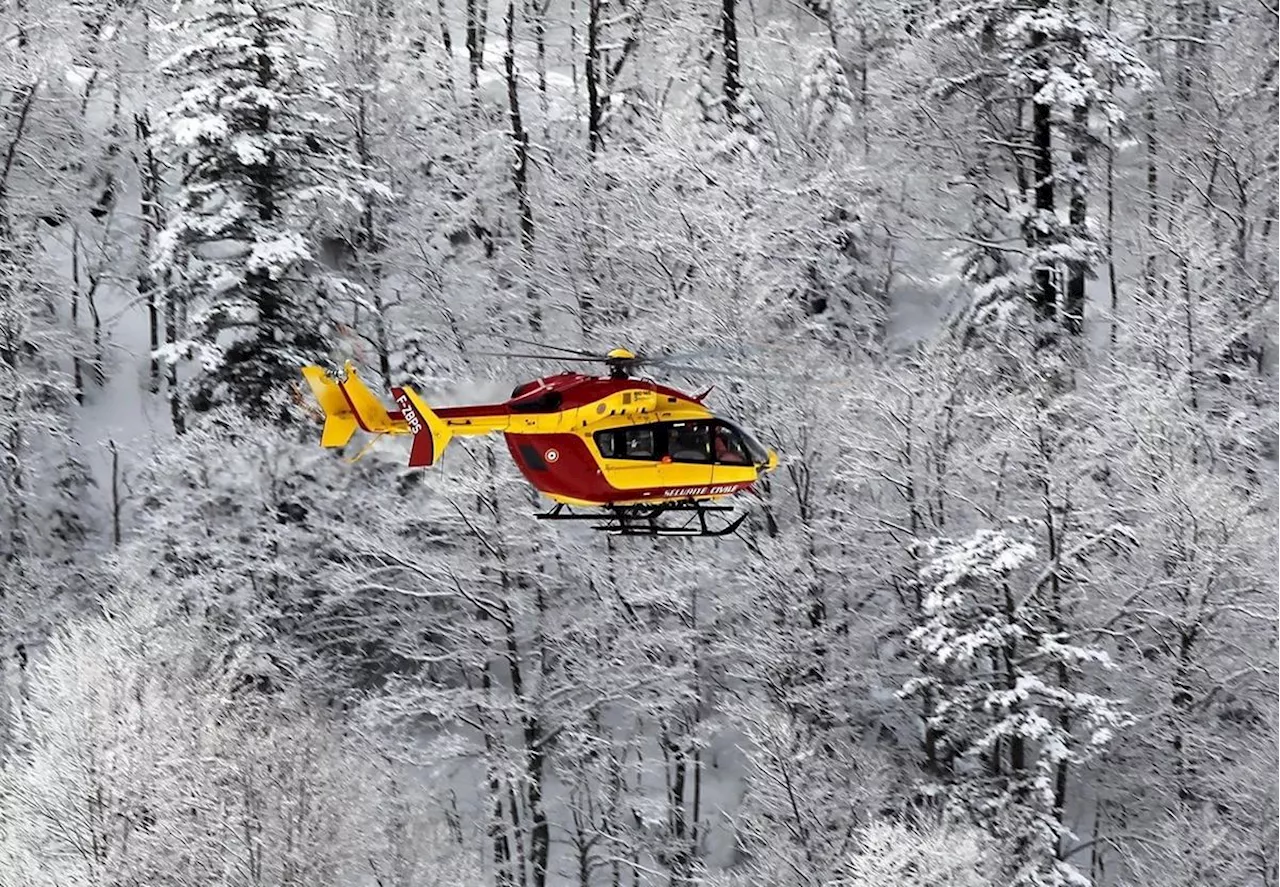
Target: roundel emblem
{"type": "Point", "coordinates": [552, 454]}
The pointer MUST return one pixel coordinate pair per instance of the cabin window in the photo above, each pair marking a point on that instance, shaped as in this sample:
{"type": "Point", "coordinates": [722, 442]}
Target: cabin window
{"type": "Point", "coordinates": [754, 450]}
{"type": "Point", "coordinates": [689, 441]}
{"type": "Point", "coordinates": [728, 446]}
{"type": "Point", "coordinates": [700, 441]}
{"type": "Point", "coordinates": [638, 442]}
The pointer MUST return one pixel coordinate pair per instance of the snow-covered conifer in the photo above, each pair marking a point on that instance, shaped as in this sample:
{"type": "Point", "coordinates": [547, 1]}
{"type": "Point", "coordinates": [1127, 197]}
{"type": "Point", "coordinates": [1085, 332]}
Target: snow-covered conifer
{"type": "Point", "coordinates": [830, 102]}
{"type": "Point", "coordinates": [262, 173]}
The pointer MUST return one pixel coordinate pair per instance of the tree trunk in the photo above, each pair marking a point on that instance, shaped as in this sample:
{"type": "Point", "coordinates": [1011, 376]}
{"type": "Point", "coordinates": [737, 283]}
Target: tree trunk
{"type": "Point", "coordinates": [520, 166]}
{"type": "Point", "coordinates": [477, 14]}
{"type": "Point", "coordinates": [149, 199]}
{"type": "Point", "coordinates": [1181, 699]}
{"type": "Point", "coordinates": [147, 289]}
{"type": "Point", "coordinates": [1045, 295]}
{"type": "Point", "coordinates": [732, 72]}
{"type": "Point", "coordinates": [497, 831]}
{"type": "Point", "coordinates": [115, 494]}
{"type": "Point", "coordinates": [1073, 305]}
{"type": "Point", "coordinates": [14, 483]}
{"type": "Point", "coordinates": [173, 324]}
{"type": "Point", "coordinates": [372, 241]}
{"type": "Point", "coordinates": [20, 17]}
{"type": "Point", "coordinates": [674, 755]}
{"type": "Point", "coordinates": [98, 365]}
{"type": "Point", "coordinates": [1149, 266]}
{"type": "Point", "coordinates": [1054, 544]}
{"type": "Point", "coordinates": [592, 74]}
{"type": "Point", "coordinates": [1111, 201]}
{"type": "Point", "coordinates": [539, 15]}
{"type": "Point", "coordinates": [864, 94]}
{"type": "Point", "coordinates": [1189, 331]}
{"type": "Point", "coordinates": [701, 705]}
{"type": "Point", "coordinates": [539, 828]}
{"type": "Point", "coordinates": [446, 39]}
{"type": "Point", "coordinates": [77, 365]}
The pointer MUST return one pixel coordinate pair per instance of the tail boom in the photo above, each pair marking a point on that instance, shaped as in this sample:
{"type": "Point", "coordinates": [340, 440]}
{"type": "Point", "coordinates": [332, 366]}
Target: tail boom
{"type": "Point", "coordinates": [433, 429]}
{"type": "Point", "coordinates": [348, 404]}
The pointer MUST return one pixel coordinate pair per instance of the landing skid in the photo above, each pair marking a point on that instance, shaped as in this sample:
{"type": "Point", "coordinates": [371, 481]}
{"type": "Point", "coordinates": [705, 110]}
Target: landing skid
{"type": "Point", "coordinates": [644, 520]}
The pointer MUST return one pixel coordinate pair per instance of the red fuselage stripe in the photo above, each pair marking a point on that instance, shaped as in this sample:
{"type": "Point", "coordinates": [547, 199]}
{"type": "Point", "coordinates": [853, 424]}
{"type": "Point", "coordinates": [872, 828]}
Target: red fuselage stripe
{"type": "Point", "coordinates": [470, 412]}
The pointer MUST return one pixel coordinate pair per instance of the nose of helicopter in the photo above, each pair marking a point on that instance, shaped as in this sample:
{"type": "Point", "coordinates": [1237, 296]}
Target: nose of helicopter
{"type": "Point", "coordinates": [773, 461]}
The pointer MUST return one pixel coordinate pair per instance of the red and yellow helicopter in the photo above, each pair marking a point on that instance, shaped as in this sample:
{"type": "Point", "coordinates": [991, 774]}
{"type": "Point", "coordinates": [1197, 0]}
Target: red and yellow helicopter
{"type": "Point", "coordinates": [630, 446]}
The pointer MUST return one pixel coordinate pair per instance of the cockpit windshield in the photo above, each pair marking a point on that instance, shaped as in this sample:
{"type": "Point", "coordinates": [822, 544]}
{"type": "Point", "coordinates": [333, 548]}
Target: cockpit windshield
{"type": "Point", "coordinates": [759, 455]}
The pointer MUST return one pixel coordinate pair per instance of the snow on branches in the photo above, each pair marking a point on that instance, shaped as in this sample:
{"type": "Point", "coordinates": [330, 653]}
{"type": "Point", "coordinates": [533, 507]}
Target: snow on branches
{"type": "Point", "coordinates": [1065, 67]}
{"type": "Point", "coordinates": [829, 100]}
{"type": "Point", "coordinates": [252, 127]}
{"type": "Point", "coordinates": [1057, 53]}
{"type": "Point", "coordinates": [999, 675]}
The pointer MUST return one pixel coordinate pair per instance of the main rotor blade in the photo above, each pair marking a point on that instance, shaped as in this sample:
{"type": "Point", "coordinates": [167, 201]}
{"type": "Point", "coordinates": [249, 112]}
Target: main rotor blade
{"type": "Point", "coordinates": [682, 368]}
{"type": "Point", "coordinates": [537, 356]}
{"type": "Point", "coordinates": [733, 373]}
{"type": "Point", "coordinates": [711, 351]}
{"type": "Point", "coordinates": [556, 348]}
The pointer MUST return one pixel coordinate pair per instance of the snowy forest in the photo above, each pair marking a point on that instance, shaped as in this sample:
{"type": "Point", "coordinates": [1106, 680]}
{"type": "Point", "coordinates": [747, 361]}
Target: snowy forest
{"type": "Point", "coordinates": [996, 278]}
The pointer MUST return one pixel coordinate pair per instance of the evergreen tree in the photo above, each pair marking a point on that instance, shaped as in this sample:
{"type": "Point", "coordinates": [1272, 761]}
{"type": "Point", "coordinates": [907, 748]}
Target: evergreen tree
{"type": "Point", "coordinates": [262, 178]}
{"type": "Point", "coordinates": [829, 101]}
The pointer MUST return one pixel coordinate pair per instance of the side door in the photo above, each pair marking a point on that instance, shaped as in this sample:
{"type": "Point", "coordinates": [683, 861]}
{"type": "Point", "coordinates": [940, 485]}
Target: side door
{"type": "Point", "coordinates": [733, 462]}
{"type": "Point", "coordinates": [630, 455]}
{"type": "Point", "coordinates": [687, 465]}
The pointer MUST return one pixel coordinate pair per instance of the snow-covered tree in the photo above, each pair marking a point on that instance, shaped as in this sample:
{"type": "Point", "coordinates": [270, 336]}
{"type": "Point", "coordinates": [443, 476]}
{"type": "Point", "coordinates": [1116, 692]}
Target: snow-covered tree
{"type": "Point", "coordinates": [245, 541]}
{"type": "Point", "coordinates": [46, 492]}
{"type": "Point", "coordinates": [323, 670]}
{"type": "Point", "coordinates": [149, 751]}
{"type": "Point", "coordinates": [882, 854]}
{"type": "Point", "coordinates": [991, 655]}
{"type": "Point", "coordinates": [811, 785]}
{"type": "Point", "coordinates": [831, 104]}
{"type": "Point", "coordinates": [1056, 58]}
{"type": "Point", "coordinates": [263, 174]}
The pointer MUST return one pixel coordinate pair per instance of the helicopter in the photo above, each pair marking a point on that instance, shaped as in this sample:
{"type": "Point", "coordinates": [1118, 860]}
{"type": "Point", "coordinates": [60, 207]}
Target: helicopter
{"type": "Point", "coordinates": [636, 454]}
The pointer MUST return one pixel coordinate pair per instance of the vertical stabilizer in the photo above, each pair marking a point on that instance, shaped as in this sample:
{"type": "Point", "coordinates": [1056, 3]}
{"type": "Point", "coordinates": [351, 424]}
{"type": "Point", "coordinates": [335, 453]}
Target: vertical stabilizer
{"type": "Point", "coordinates": [368, 410]}
{"type": "Point", "coordinates": [339, 420]}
